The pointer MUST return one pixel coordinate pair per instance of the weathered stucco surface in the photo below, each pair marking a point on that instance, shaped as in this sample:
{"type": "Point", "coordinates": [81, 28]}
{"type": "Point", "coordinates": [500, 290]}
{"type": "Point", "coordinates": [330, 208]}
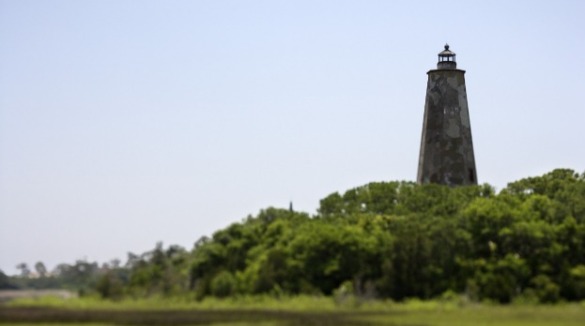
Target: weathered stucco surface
{"type": "Point", "coordinates": [446, 152]}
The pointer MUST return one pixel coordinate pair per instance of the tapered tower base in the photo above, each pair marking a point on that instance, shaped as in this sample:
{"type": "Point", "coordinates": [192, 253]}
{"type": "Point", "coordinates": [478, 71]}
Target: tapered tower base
{"type": "Point", "coordinates": [446, 152]}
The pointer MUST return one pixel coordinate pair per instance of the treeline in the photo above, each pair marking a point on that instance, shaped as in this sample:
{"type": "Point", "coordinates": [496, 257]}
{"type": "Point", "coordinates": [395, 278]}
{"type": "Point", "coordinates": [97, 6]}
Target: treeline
{"type": "Point", "coordinates": [386, 240]}
{"type": "Point", "coordinates": [80, 277]}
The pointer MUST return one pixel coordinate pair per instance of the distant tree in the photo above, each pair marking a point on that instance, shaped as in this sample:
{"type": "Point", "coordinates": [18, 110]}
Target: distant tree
{"type": "Point", "coordinates": [223, 284]}
{"type": "Point", "coordinates": [5, 283]}
{"type": "Point", "coordinates": [41, 269]}
{"type": "Point", "coordinates": [109, 285]}
{"type": "Point", "coordinates": [24, 270]}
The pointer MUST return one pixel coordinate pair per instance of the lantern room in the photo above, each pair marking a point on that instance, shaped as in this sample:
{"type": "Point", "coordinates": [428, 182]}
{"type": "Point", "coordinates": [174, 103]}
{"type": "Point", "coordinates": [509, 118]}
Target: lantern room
{"type": "Point", "coordinates": [447, 59]}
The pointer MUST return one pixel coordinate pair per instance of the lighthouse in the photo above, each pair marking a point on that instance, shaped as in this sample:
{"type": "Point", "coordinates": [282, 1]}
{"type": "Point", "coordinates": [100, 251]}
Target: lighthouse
{"type": "Point", "coordinates": [446, 149]}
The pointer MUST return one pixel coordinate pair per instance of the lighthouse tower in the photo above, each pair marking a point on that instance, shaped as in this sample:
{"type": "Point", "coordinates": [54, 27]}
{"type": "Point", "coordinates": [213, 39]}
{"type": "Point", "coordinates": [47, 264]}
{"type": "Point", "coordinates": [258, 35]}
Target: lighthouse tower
{"type": "Point", "coordinates": [446, 149]}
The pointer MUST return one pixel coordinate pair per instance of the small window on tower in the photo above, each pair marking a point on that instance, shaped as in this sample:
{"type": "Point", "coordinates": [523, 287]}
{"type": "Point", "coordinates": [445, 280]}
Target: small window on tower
{"type": "Point", "coordinates": [471, 177]}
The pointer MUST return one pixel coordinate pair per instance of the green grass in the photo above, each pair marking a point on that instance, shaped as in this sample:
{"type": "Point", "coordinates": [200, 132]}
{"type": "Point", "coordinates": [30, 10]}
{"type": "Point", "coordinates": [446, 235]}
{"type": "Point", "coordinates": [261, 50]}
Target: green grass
{"type": "Point", "coordinates": [286, 311]}
{"type": "Point", "coordinates": [566, 315]}
{"type": "Point", "coordinates": [296, 303]}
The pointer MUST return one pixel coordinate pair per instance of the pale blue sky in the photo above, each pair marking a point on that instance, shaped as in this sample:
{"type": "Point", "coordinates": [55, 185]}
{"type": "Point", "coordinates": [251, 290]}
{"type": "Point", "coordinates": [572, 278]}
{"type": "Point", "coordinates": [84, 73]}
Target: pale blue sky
{"type": "Point", "coordinates": [124, 123]}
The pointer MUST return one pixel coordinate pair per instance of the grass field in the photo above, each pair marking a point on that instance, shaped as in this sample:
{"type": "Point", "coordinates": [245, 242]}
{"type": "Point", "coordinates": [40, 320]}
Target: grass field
{"type": "Point", "coordinates": [290, 311]}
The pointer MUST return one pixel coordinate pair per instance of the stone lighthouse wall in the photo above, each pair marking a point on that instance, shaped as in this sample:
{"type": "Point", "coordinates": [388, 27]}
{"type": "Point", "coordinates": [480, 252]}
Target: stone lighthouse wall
{"type": "Point", "coordinates": [446, 152]}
